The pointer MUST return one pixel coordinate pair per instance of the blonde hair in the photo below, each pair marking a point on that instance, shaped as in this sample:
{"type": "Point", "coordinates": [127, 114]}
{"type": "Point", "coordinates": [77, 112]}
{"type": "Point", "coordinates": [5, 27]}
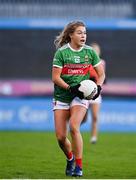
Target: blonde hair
{"type": "Point", "coordinates": [64, 37]}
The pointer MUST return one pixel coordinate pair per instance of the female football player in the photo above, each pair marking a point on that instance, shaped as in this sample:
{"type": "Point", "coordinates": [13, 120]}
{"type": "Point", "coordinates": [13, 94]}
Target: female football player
{"type": "Point", "coordinates": [70, 66]}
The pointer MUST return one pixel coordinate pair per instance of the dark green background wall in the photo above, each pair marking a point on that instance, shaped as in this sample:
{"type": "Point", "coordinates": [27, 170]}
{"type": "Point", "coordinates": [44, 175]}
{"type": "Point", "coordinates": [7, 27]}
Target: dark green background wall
{"type": "Point", "coordinates": [28, 53]}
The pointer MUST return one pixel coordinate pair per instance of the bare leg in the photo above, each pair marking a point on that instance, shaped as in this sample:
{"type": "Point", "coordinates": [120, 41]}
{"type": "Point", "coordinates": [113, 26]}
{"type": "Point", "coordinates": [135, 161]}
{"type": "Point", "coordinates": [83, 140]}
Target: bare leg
{"type": "Point", "coordinates": [77, 115]}
{"type": "Point", "coordinates": [61, 119]}
{"type": "Point", "coordinates": [95, 113]}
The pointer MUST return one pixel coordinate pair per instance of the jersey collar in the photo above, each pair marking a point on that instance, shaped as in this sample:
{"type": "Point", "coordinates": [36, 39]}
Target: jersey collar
{"type": "Point", "coordinates": [74, 49]}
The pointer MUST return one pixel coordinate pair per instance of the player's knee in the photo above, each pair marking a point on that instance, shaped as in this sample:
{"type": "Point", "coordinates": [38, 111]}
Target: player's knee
{"type": "Point", "coordinates": [95, 119]}
{"type": "Point", "coordinates": [61, 138]}
{"type": "Point", "coordinates": [74, 128]}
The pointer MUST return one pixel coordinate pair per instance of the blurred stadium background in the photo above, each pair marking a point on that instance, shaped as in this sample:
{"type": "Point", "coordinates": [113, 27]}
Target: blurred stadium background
{"type": "Point", "coordinates": [27, 32]}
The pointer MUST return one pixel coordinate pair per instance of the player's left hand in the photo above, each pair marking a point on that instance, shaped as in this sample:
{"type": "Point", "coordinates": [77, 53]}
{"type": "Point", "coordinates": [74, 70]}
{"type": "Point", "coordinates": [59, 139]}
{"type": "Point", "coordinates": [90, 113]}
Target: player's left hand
{"type": "Point", "coordinates": [98, 92]}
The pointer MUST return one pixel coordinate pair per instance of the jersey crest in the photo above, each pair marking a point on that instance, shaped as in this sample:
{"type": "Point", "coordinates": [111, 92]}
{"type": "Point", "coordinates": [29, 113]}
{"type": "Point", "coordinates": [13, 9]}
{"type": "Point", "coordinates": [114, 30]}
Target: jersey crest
{"type": "Point", "coordinates": [77, 59]}
{"type": "Point", "coordinates": [86, 58]}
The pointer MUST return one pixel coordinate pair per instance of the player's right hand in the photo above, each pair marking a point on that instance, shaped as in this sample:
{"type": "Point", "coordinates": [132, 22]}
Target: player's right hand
{"type": "Point", "coordinates": [75, 90]}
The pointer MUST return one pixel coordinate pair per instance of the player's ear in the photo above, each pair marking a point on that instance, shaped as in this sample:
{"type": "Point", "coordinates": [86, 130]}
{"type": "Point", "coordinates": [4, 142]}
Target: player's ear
{"type": "Point", "coordinates": [70, 35]}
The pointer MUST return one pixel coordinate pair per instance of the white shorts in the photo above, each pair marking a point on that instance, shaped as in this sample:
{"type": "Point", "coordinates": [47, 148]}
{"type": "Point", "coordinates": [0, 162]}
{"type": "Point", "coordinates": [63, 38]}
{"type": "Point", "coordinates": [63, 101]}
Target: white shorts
{"type": "Point", "coordinates": [75, 101]}
{"type": "Point", "coordinates": [96, 101]}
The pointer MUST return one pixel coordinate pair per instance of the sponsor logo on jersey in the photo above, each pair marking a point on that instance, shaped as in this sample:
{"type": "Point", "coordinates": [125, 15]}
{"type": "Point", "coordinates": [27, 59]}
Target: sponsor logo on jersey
{"type": "Point", "coordinates": [75, 69]}
{"type": "Point", "coordinates": [76, 65]}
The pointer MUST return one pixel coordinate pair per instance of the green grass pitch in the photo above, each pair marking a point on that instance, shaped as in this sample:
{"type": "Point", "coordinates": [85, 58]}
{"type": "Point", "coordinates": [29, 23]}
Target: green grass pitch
{"type": "Point", "coordinates": [36, 155]}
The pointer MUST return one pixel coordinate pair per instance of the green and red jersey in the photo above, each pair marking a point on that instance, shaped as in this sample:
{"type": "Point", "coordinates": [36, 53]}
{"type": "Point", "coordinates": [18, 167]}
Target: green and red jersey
{"type": "Point", "coordinates": [75, 66]}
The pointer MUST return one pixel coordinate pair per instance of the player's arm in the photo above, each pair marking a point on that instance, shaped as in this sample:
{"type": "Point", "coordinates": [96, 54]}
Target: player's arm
{"type": "Point", "coordinates": [57, 69]}
{"type": "Point", "coordinates": [56, 72]}
{"type": "Point", "coordinates": [56, 78]}
{"type": "Point", "coordinates": [100, 74]}
{"type": "Point", "coordinates": [99, 68]}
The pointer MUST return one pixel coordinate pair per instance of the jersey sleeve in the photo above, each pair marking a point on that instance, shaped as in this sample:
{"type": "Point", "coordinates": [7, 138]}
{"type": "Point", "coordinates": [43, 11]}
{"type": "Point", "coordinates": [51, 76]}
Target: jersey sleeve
{"type": "Point", "coordinates": [96, 60]}
{"type": "Point", "coordinates": [58, 60]}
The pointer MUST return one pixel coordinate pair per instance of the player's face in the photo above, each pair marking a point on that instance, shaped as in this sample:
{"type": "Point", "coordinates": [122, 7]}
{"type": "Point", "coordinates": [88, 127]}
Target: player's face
{"type": "Point", "coordinates": [78, 38]}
